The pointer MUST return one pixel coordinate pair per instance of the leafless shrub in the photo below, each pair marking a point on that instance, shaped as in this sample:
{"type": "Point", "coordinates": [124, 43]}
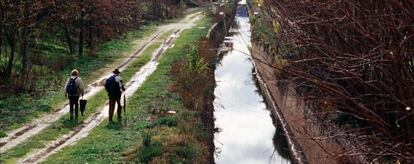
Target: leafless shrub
{"type": "Point", "coordinates": [354, 57]}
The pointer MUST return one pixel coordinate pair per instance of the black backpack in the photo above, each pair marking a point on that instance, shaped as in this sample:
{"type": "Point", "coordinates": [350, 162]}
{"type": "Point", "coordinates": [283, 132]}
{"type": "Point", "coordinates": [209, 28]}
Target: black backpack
{"type": "Point", "coordinates": [71, 88]}
{"type": "Point", "coordinates": [112, 86]}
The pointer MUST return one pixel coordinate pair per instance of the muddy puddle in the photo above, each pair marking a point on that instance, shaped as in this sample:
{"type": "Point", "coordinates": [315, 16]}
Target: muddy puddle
{"type": "Point", "coordinates": [247, 133]}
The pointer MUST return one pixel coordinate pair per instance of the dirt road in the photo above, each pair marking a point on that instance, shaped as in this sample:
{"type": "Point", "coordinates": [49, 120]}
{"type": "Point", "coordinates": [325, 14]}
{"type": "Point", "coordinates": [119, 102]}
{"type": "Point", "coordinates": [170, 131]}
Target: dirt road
{"type": "Point", "coordinates": [21, 134]}
{"type": "Point", "coordinates": [133, 85]}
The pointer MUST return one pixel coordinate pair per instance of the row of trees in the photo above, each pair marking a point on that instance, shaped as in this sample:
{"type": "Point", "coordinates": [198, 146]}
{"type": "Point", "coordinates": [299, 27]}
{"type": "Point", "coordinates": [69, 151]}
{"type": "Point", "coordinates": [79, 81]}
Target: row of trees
{"type": "Point", "coordinates": [28, 28]}
{"type": "Point", "coordinates": [356, 58]}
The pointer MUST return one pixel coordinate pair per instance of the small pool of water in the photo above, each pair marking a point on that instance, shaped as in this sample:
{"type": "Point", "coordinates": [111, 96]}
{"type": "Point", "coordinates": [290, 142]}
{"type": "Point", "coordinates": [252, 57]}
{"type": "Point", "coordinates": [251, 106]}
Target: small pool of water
{"type": "Point", "coordinates": [247, 134]}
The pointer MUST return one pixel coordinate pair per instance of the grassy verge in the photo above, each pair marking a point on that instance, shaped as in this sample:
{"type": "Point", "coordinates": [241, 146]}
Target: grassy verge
{"type": "Point", "coordinates": [148, 133]}
{"type": "Point", "coordinates": [95, 103]}
{"type": "Point", "coordinates": [18, 109]}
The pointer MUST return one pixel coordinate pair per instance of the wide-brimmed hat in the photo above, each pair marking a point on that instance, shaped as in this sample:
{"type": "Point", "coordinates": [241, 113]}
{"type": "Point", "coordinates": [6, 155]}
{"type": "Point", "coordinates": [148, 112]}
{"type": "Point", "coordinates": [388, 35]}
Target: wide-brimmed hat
{"type": "Point", "coordinates": [116, 71]}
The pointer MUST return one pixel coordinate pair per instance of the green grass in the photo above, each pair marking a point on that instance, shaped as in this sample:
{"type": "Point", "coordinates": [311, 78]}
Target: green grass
{"type": "Point", "coordinates": [25, 107]}
{"type": "Point", "coordinates": [63, 126]}
{"type": "Point", "coordinates": [117, 142]}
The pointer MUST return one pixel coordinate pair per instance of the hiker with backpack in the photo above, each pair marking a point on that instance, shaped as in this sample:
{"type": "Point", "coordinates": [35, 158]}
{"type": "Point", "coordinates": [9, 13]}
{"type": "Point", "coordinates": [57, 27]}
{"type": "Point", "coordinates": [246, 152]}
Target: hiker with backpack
{"type": "Point", "coordinates": [74, 88]}
{"type": "Point", "coordinates": [114, 86]}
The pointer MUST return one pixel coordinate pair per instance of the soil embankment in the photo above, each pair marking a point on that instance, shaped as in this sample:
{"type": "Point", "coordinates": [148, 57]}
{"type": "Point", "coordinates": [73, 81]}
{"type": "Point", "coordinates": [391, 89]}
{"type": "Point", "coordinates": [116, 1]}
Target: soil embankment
{"type": "Point", "coordinates": [305, 137]}
{"type": "Point", "coordinates": [208, 50]}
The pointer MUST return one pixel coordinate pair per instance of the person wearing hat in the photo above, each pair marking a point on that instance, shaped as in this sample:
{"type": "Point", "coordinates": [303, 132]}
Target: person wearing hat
{"type": "Point", "coordinates": [74, 88]}
{"type": "Point", "coordinates": [114, 86]}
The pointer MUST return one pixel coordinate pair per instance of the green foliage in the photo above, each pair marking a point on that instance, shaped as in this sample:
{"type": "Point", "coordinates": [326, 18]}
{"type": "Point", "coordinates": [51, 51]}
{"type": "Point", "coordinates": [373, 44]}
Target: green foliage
{"type": "Point", "coordinates": [194, 63]}
{"type": "Point", "coordinates": [2, 134]}
{"type": "Point", "coordinates": [150, 149]}
{"type": "Point", "coordinates": [191, 80]}
{"type": "Point", "coordinates": [187, 151]}
{"type": "Point", "coordinates": [263, 31]}
{"type": "Point", "coordinates": [149, 152]}
{"type": "Point", "coordinates": [13, 111]}
{"type": "Point", "coordinates": [167, 121]}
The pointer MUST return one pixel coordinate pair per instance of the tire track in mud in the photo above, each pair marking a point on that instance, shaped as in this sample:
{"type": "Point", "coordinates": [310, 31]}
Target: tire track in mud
{"type": "Point", "coordinates": [132, 86]}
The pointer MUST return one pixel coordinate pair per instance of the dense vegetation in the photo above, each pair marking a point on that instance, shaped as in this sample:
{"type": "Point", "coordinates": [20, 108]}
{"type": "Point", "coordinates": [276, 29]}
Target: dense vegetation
{"type": "Point", "coordinates": [353, 60]}
{"type": "Point", "coordinates": [41, 37]}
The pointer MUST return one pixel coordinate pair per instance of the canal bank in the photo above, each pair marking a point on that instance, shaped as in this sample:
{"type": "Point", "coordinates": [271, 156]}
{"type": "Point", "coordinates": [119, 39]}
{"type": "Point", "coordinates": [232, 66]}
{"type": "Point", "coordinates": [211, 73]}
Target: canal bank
{"type": "Point", "coordinates": [304, 136]}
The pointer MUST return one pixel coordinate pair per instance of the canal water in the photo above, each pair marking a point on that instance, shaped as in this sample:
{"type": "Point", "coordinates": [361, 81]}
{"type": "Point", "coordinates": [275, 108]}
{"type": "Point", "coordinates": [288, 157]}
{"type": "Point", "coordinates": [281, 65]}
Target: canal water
{"type": "Point", "coordinates": [247, 134]}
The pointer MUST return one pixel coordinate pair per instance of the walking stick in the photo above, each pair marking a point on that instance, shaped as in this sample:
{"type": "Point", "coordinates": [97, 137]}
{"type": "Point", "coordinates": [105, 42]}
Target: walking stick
{"type": "Point", "coordinates": [124, 104]}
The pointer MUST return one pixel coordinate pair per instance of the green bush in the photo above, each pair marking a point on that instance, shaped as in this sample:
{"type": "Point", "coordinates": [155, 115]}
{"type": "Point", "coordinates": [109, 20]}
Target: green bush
{"type": "Point", "coordinates": [167, 121]}
{"type": "Point", "coordinates": [2, 134]}
{"type": "Point", "coordinates": [150, 149]}
{"type": "Point", "coordinates": [187, 151]}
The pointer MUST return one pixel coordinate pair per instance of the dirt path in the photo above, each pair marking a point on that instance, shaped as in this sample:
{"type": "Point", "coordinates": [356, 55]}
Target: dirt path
{"type": "Point", "coordinates": [132, 86]}
{"type": "Point", "coordinates": [21, 134]}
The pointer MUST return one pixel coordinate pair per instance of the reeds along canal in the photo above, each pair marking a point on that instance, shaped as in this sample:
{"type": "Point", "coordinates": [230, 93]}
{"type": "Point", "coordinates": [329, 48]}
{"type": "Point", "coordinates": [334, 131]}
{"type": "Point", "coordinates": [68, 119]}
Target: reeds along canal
{"type": "Point", "coordinates": [247, 133]}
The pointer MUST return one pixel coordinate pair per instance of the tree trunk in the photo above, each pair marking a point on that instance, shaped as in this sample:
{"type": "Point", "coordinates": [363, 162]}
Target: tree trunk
{"type": "Point", "coordinates": [69, 41]}
{"type": "Point", "coordinates": [166, 9]}
{"type": "Point", "coordinates": [91, 46]}
{"type": "Point", "coordinates": [12, 43]}
{"type": "Point", "coordinates": [80, 42]}
{"type": "Point", "coordinates": [89, 37]}
{"type": "Point", "coordinates": [2, 8]}
{"type": "Point", "coordinates": [1, 34]}
{"type": "Point", "coordinates": [24, 44]}
{"type": "Point", "coordinates": [81, 39]}
{"type": "Point", "coordinates": [10, 34]}
{"type": "Point", "coordinates": [154, 9]}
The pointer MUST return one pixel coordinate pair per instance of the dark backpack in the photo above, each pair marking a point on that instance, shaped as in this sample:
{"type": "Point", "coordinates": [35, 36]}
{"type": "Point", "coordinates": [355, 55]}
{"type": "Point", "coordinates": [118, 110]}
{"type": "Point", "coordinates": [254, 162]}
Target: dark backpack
{"type": "Point", "coordinates": [71, 88]}
{"type": "Point", "coordinates": [112, 86]}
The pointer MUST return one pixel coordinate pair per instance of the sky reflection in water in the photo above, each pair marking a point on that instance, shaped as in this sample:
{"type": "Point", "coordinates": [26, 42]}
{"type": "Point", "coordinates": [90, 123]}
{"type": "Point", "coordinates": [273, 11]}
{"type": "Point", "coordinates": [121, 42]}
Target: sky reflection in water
{"type": "Point", "coordinates": [247, 129]}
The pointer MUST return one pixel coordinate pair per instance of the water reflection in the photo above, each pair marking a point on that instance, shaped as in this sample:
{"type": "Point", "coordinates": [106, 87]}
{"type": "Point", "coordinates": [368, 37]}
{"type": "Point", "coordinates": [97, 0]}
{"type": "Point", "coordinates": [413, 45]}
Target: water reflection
{"type": "Point", "coordinates": [247, 130]}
